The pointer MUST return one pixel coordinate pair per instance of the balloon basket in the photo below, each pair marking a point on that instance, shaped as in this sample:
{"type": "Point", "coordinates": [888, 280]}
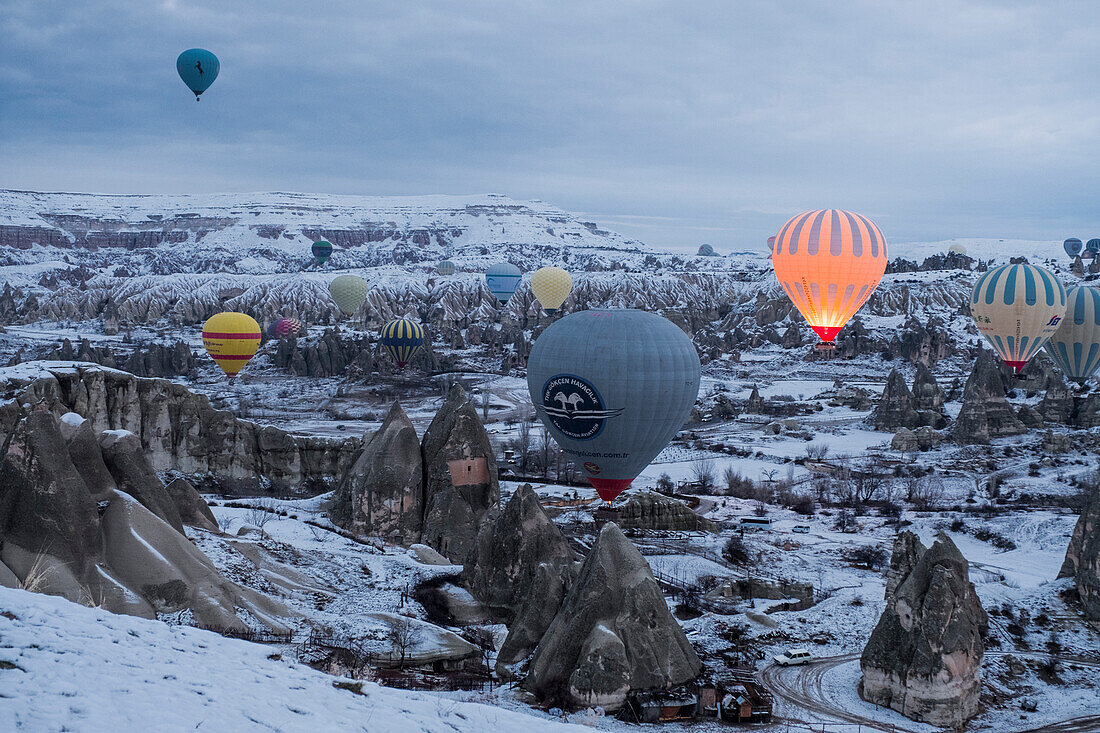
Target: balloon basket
{"type": "Point", "coordinates": [606, 513]}
{"type": "Point", "coordinates": [825, 346]}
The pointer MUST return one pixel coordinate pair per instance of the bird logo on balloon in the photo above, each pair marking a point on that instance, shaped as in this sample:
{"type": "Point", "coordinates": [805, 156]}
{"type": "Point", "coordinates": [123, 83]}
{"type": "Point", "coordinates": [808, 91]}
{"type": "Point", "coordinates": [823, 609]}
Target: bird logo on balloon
{"type": "Point", "coordinates": [575, 407]}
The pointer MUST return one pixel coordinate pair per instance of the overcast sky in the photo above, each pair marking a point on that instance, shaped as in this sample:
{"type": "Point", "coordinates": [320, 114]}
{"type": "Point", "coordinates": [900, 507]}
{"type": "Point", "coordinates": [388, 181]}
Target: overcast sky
{"type": "Point", "coordinates": [675, 122]}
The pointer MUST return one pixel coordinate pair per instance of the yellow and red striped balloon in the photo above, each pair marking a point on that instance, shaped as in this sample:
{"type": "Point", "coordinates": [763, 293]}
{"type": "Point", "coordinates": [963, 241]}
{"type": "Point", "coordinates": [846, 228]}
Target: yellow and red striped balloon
{"type": "Point", "coordinates": [829, 262]}
{"type": "Point", "coordinates": [231, 339]}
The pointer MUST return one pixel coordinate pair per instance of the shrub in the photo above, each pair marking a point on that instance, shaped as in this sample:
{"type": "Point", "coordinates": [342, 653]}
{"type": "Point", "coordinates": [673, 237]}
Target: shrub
{"type": "Point", "coordinates": [871, 557]}
{"type": "Point", "coordinates": [735, 551]}
{"type": "Point", "coordinates": [803, 505]}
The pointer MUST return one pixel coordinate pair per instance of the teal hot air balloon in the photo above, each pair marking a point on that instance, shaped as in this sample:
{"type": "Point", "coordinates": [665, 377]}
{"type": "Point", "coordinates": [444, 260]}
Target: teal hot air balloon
{"type": "Point", "coordinates": [613, 387]}
{"type": "Point", "coordinates": [503, 279]}
{"type": "Point", "coordinates": [1075, 346]}
{"type": "Point", "coordinates": [198, 68]}
{"type": "Point", "coordinates": [403, 338]}
{"type": "Point", "coordinates": [322, 250]}
{"type": "Point", "coordinates": [1072, 246]}
{"type": "Point", "coordinates": [1093, 247]}
{"type": "Point", "coordinates": [445, 267]}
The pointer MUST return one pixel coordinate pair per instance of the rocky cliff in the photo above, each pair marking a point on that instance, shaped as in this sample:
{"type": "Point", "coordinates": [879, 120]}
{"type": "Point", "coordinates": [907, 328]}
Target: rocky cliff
{"type": "Point", "coordinates": [178, 429]}
{"type": "Point", "coordinates": [1082, 561]}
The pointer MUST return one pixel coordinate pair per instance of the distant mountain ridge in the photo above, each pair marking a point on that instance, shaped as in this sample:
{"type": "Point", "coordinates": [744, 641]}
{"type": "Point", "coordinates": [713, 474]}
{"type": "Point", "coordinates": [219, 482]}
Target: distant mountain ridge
{"type": "Point", "coordinates": [272, 232]}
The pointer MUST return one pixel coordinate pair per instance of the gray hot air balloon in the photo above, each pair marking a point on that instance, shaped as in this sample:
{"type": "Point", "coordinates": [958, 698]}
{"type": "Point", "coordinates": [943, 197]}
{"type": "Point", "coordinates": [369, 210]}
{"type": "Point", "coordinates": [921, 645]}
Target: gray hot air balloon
{"type": "Point", "coordinates": [613, 387]}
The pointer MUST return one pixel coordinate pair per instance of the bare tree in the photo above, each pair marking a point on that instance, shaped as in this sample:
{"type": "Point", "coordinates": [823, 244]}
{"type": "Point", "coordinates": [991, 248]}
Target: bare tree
{"type": "Point", "coordinates": [703, 473]}
{"type": "Point", "coordinates": [523, 443]}
{"type": "Point", "coordinates": [403, 635]}
{"type": "Point", "coordinates": [260, 514]}
{"type": "Point", "coordinates": [546, 443]}
{"type": "Point", "coordinates": [927, 492]}
{"type": "Point", "coordinates": [816, 451]}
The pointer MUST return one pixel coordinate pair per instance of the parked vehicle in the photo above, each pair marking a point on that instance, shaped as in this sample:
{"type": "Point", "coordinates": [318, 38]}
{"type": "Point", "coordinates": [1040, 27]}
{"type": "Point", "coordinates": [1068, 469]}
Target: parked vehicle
{"type": "Point", "coordinates": [754, 524]}
{"type": "Point", "coordinates": [792, 657]}
{"type": "Point", "coordinates": [801, 529]}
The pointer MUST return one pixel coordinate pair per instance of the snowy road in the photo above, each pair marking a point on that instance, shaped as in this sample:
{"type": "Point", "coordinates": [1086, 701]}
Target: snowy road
{"type": "Point", "coordinates": [806, 687]}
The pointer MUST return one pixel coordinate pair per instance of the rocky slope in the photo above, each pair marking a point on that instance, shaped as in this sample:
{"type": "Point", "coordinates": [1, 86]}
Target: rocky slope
{"type": "Point", "coordinates": [178, 429]}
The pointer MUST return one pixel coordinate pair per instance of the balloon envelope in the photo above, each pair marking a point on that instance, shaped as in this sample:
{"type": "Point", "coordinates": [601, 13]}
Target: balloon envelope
{"type": "Point", "coordinates": [348, 292]}
{"type": "Point", "coordinates": [321, 251]}
{"type": "Point", "coordinates": [1093, 245]}
{"type": "Point", "coordinates": [829, 262]}
{"type": "Point", "coordinates": [231, 339]}
{"type": "Point", "coordinates": [1017, 308]}
{"type": "Point", "coordinates": [551, 286]}
{"type": "Point", "coordinates": [1075, 346]}
{"type": "Point", "coordinates": [402, 338]}
{"type": "Point", "coordinates": [613, 387]}
{"type": "Point", "coordinates": [198, 68]}
{"type": "Point", "coordinates": [285, 327]}
{"type": "Point", "coordinates": [1072, 246]}
{"type": "Point", "coordinates": [503, 279]}
{"type": "Point", "coordinates": [956, 249]}
{"type": "Point", "coordinates": [705, 250]}
{"type": "Point", "coordinates": [445, 267]}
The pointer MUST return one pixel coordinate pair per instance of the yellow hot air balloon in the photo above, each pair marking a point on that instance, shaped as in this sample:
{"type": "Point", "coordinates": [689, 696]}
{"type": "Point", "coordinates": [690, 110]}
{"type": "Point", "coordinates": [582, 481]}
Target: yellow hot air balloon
{"type": "Point", "coordinates": [829, 262]}
{"type": "Point", "coordinates": [551, 285]}
{"type": "Point", "coordinates": [1018, 308]}
{"type": "Point", "coordinates": [349, 292]}
{"type": "Point", "coordinates": [231, 339]}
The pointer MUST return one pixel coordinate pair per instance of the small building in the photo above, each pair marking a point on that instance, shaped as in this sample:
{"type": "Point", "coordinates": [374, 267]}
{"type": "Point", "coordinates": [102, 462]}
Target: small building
{"type": "Point", "coordinates": [742, 700]}
{"type": "Point", "coordinates": [661, 706]}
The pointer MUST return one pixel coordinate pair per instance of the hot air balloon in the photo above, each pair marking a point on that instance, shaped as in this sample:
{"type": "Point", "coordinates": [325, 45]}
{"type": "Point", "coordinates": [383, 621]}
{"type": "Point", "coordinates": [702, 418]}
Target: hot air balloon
{"type": "Point", "coordinates": [1075, 346]}
{"type": "Point", "coordinates": [1017, 308]}
{"type": "Point", "coordinates": [402, 338]}
{"type": "Point", "coordinates": [956, 249]}
{"type": "Point", "coordinates": [1072, 246]}
{"type": "Point", "coordinates": [705, 250]}
{"type": "Point", "coordinates": [349, 292]}
{"type": "Point", "coordinates": [285, 327]}
{"type": "Point", "coordinates": [1093, 246]}
{"type": "Point", "coordinates": [613, 387]}
{"type": "Point", "coordinates": [321, 251]}
{"type": "Point", "coordinates": [198, 68]}
{"type": "Point", "coordinates": [445, 267]}
{"type": "Point", "coordinates": [829, 262]}
{"type": "Point", "coordinates": [551, 285]}
{"type": "Point", "coordinates": [503, 279]}
{"type": "Point", "coordinates": [231, 339]}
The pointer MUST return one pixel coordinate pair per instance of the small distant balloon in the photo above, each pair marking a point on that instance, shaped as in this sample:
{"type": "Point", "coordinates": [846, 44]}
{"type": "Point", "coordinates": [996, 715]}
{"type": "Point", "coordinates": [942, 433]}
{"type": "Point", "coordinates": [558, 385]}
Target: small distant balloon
{"type": "Point", "coordinates": [1093, 245]}
{"type": "Point", "coordinates": [285, 327]}
{"type": "Point", "coordinates": [551, 286]}
{"type": "Point", "coordinates": [503, 279]}
{"type": "Point", "coordinates": [445, 267]}
{"type": "Point", "coordinates": [321, 251]}
{"type": "Point", "coordinates": [1072, 246]}
{"type": "Point", "coordinates": [198, 68]}
{"type": "Point", "coordinates": [705, 250]}
{"type": "Point", "coordinates": [403, 338]}
{"type": "Point", "coordinates": [348, 292]}
{"type": "Point", "coordinates": [231, 339]}
{"type": "Point", "coordinates": [956, 249]}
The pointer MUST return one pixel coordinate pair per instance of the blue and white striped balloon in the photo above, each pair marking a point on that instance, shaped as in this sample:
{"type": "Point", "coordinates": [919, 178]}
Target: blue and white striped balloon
{"type": "Point", "coordinates": [1075, 346]}
{"type": "Point", "coordinates": [503, 279]}
{"type": "Point", "coordinates": [1017, 308]}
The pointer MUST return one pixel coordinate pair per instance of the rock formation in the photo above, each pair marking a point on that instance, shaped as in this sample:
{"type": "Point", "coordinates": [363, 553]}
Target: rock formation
{"type": "Point", "coordinates": [1082, 561]}
{"type": "Point", "coordinates": [650, 510]}
{"type": "Point", "coordinates": [511, 546]}
{"type": "Point", "coordinates": [613, 633]}
{"type": "Point", "coordinates": [924, 657]}
{"type": "Point", "coordinates": [460, 477]}
{"type": "Point", "coordinates": [135, 475]}
{"type": "Point", "coordinates": [756, 403]}
{"type": "Point", "coordinates": [921, 439]}
{"type": "Point", "coordinates": [106, 549]}
{"type": "Point", "coordinates": [382, 495]}
{"type": "Point", "coordinates": [896, 407]}
{"type": "Point", "coordinates": [985, 412]}
{"type": "Point", "coordinates": [907, 550]}
{"type": "Point", "coordinates": [927, 393]}
{"type": "Point", "coordinates": [180, 431]}
{"type": "Point", "coordinates": [193, 510]}
{"type": "Point", "coordinates": [1060, 405]}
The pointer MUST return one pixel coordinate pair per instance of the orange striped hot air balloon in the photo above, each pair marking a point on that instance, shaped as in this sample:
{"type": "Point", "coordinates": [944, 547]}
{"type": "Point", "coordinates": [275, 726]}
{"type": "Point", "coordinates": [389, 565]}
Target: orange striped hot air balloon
{"type": "Point", "coordinates": [231, 339]}
{"type": "Point", "coordinates": [829, 262]}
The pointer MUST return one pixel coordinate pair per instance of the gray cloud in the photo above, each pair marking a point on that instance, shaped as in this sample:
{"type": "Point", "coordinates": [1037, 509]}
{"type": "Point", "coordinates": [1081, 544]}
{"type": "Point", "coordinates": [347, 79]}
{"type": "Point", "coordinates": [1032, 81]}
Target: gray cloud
{"type": "Point", "coordinates": [676, 122]}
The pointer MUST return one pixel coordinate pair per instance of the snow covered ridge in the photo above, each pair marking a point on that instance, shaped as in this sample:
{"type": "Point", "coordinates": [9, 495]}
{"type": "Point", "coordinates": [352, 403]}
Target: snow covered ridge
{"type": "Point", "coordinates": [272, 232]}
{"type": "Point", "coordinates": [67, 667]}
